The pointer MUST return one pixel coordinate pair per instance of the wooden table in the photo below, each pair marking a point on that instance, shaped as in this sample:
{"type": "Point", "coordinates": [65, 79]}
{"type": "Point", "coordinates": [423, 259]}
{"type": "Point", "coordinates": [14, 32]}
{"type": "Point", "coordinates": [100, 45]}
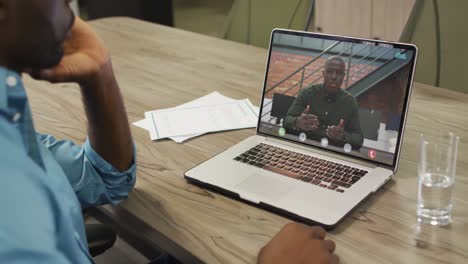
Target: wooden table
{"type": "Point", "coordinates": [159, 67]}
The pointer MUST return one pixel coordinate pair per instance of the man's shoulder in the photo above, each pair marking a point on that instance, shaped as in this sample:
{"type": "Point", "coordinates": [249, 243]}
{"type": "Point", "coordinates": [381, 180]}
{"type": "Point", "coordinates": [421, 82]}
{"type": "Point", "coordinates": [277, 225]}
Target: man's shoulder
{"type": "Point", "coordinates": [348, 97]}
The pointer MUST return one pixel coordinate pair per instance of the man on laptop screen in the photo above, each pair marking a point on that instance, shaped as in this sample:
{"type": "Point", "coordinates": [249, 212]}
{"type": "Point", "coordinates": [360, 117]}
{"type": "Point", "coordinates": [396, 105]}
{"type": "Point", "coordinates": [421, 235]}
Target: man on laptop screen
{"type": "Point", "coordinates": [327, 111]}
{"type": "Point", "coordinates": [329, 84]}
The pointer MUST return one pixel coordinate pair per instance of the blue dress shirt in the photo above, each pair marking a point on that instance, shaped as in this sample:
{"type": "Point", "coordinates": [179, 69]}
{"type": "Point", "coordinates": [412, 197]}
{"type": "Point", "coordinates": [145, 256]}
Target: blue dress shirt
{"type": "Point", "coordinates": [45, 183]}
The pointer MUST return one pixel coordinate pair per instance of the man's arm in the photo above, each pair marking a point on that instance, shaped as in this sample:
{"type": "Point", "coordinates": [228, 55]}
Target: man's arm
{"type": "Point", "coordinates": [94, 180]}
{"type": "Point", "coordinates": [103, 170]}
{"type": "Point", "coordinates": [353, 133]}
{"type": "Point", "coordinates": [296, 109]}
{"type": "Point", "coordinates": [108, 128]}
{"type": "Point", "coordinates": [88, 63]}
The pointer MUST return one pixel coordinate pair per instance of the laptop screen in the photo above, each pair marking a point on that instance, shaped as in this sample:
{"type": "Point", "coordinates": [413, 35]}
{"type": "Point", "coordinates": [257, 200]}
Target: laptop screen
{"type": "Point", "coordinates": [341, 94]}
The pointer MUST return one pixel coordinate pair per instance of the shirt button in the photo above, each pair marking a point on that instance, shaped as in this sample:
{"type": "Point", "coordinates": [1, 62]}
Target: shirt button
{"type": "Point", "coordinates": [16, 117]}
{"type": "Point", "coordinates": [11, 81]}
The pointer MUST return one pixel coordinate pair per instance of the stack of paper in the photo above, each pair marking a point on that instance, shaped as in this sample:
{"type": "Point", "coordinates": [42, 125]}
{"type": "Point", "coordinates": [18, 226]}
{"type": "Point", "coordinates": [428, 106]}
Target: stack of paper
{"type": "Point", "coordinates": [210, 113]}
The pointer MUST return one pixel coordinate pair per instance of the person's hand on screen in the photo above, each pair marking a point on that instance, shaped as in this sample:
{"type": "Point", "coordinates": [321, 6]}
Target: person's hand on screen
{"type": "Point", "coordinates": [336, 132]}
{"type": "Point", "coordinates": [307, 121]}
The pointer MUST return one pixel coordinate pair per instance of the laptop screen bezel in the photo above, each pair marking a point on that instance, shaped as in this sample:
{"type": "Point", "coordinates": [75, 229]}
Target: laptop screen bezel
{"type": "Point", "coordinates": [397, 45]}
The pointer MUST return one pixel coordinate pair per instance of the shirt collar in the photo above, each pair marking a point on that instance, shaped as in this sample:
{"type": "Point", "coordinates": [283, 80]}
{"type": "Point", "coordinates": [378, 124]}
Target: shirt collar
{"type": "Point", "coordinates": [329, 97]}
{"type": "Point", "coordinates": [10, 86]}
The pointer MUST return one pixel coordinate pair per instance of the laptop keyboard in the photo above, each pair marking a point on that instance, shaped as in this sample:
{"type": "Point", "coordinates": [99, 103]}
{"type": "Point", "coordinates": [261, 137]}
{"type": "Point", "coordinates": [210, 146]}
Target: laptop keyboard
{"type": "Point", "coordinates": [326, 174]}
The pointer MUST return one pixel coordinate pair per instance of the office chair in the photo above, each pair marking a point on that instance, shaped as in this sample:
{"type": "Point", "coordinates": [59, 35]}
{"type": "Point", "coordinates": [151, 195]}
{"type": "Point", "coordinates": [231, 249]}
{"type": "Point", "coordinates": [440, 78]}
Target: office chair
{"type": "Point", "coordinates": [280, 106]}
{"type": "Point", "coordinates": [100, 238]}
{"type": "Point", "coordinates": [438, 29]}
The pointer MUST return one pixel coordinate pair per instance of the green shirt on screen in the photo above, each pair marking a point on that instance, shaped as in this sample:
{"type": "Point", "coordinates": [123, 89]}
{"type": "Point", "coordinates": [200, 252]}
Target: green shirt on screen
{"type": "Point", "coordinates": [329, 109]}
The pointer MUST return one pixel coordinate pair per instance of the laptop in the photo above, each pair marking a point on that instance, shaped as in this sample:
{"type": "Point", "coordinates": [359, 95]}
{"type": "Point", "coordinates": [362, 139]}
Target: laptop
{"type": "Point", "coordinates": [313, 165]}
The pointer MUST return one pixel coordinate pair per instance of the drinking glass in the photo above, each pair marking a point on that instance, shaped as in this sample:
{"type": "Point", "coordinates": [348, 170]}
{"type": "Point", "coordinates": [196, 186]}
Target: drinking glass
{"type": "Point", "coordinates": [436, 170]}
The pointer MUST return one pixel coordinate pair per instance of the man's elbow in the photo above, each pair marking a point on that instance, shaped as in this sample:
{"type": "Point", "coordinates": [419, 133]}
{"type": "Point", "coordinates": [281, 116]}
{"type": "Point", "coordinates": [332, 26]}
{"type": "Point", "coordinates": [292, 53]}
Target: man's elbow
{"type": "Point", "coordinates": [289, 122]}
{"type": "Point", "coordinates": [118, 190]}
{"type": "Point", "coordinates": [120, 193]}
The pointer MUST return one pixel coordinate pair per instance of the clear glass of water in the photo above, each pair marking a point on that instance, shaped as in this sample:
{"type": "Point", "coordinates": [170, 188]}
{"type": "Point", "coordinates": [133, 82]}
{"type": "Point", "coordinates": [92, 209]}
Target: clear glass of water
{"type": "Point", "coordinates": [437, 170]}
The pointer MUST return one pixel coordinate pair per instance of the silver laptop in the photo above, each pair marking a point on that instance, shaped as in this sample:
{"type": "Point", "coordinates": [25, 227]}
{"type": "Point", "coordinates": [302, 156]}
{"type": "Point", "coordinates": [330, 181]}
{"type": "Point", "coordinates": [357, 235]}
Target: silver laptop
{"type": "Point", "coordinates": [310, 159]}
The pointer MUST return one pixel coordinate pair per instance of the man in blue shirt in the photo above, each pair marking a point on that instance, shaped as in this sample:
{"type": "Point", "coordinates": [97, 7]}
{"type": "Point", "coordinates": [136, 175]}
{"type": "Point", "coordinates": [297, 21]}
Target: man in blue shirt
{"type": "Point", "coordinates": [45, 182]}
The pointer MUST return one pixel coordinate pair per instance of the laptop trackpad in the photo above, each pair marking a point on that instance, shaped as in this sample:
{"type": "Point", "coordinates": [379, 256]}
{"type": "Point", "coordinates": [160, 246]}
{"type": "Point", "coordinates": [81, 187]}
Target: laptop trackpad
{"type": "Point", "coordinates": [259, 187]}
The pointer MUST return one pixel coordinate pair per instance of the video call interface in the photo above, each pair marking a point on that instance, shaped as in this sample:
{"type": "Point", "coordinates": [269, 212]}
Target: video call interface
{"type": "Point", "coordinates": [343, 96]}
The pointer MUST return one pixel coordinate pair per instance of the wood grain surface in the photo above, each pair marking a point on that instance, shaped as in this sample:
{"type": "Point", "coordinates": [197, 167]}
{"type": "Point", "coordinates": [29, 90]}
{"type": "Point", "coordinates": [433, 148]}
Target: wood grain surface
{"type": "Point", "coordinates": [159, 67]}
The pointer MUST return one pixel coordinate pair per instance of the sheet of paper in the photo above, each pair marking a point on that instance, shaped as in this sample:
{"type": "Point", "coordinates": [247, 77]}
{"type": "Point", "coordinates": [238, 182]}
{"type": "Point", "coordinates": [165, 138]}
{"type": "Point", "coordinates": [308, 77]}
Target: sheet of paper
{"type": "Point", "coordinates": [144, 123]}
{"type": "Point", "coordinates": [187, 121]}
{"type": "Point", "coordinates": [210, 99]}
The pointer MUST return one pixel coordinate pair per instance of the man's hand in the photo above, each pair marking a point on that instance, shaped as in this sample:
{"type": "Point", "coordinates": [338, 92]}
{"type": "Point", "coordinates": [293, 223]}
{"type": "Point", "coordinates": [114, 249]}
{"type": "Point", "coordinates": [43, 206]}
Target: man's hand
{"type": "Point", "coordinates": [85, 57]}
{"type": "Point", "coordinates": [298, 243]}
{"type": "Point", "coordinates": [307, 121]}
{"type": "Point", "coordinates": [87, 62]}
{"type": "Point", "coordinates": [336, 132]}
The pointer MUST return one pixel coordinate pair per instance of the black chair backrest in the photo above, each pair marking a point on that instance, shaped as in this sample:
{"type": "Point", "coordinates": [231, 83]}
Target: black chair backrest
{"type": "Point", "coordinates": [281, 104]}
{"type": "Point", "coordinates": [370, 123]}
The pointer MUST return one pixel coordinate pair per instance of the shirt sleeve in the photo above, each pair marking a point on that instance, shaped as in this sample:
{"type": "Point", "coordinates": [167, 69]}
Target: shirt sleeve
{"type": "Point", "coordinates": [353, 133]}
{"type": "Point", "coordinates": [296, 109]}
{"type": "Point", "coordinates": [94, 180]}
